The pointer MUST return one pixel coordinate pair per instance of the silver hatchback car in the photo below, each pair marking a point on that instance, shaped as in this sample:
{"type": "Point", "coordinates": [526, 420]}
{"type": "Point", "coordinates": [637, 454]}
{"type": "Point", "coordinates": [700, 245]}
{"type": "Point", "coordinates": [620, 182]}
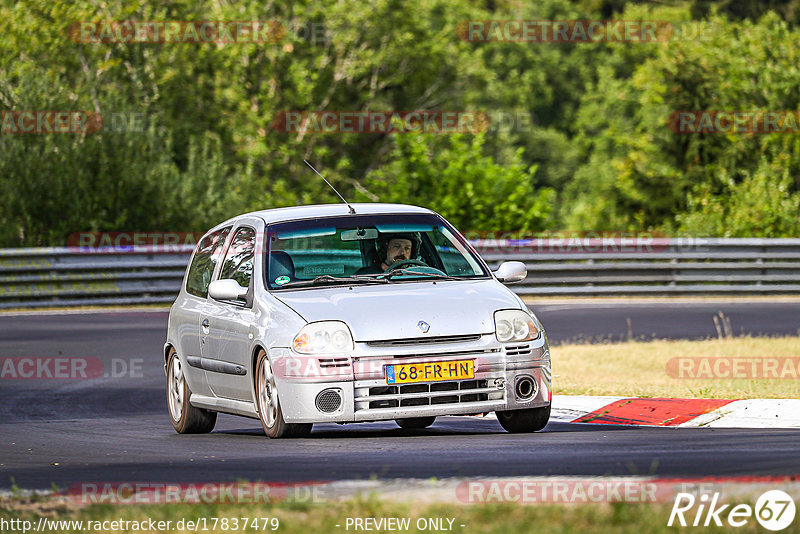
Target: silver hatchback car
{"type": "Point", "coordinates": [340, 314]}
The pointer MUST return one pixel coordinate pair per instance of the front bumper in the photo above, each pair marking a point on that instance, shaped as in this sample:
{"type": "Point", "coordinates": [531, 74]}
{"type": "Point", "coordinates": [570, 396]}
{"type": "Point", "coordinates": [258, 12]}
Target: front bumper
{"type": "Point", "coordinates": [359, 379]}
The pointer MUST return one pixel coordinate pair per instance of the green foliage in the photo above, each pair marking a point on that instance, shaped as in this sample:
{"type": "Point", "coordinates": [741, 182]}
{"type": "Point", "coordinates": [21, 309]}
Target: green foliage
{"type": "Point", "coordinates": [587, 146]}
{"type": "Point", "coordinates": [59, 184]}
{"type": "Point", "coordinates": [761, 204]}
{"type": "Point", "coordinates": [450, 175]}
{"type": "Point", "coordinates": [640, 174]}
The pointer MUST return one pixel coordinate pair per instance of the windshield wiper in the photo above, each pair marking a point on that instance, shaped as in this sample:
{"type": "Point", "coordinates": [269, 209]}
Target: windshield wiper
{"type": "Point", "coordinates": [409, 272]}
{"type": "Point", "coordinates": [330, 279]}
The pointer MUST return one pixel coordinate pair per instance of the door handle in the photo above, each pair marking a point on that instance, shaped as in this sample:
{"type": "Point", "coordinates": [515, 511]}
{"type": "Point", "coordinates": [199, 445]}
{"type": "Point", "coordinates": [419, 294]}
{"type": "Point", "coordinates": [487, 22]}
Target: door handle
{"type": "Point", "coordinates": [205, 323]}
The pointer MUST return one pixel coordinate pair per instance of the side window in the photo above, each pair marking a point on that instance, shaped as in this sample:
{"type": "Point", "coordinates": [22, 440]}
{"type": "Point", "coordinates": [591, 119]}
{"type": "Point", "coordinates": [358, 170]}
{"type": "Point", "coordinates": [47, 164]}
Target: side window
{"type": "Point", "coordinates": [457, 261]}
{"type": "Point", "coordinates": [203, 262]}
{"type": "Point", "coordinates": [238, 262]}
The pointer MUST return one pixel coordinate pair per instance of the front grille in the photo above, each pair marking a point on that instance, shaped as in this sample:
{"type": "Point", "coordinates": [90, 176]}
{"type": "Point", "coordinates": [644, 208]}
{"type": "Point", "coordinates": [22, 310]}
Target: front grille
{"type": "Point", "coordinates": [449, 354]}
{"type": "Point", "coordinates": [428, 394]}
{"type": "Point", "coordinates": [424, 340]}
{"type": "Point", "coordinates": [333, 362]}
{"type": "Point", "coordinates": [516, 350]}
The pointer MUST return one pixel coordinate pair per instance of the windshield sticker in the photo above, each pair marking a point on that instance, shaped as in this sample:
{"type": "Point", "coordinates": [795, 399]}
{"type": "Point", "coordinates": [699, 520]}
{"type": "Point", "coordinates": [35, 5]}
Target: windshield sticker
{"type": "Point", "coordinates": [282, 280]}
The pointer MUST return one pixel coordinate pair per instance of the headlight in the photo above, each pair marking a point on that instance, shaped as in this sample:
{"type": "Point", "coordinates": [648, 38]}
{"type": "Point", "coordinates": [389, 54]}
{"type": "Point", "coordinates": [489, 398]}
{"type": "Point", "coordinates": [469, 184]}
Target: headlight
{"type": "Point", "coordinates": [324, 337]}
{"type": "Point", "coordinates": [514, 325]}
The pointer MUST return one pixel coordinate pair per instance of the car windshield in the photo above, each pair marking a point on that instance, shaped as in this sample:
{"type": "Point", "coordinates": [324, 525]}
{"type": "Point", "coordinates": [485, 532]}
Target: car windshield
{"type": "Point", "coordinates": [367, 249]}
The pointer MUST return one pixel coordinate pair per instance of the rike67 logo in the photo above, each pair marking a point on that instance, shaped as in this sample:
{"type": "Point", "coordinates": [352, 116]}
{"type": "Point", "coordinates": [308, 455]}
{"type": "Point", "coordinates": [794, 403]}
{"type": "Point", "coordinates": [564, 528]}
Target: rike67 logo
{"type": "Point", "coordinates": [774, 510]}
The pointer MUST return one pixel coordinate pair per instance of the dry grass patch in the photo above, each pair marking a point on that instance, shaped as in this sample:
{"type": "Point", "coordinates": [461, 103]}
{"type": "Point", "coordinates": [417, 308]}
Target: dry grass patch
{"type": "Point", "coordinates": [639, 369]}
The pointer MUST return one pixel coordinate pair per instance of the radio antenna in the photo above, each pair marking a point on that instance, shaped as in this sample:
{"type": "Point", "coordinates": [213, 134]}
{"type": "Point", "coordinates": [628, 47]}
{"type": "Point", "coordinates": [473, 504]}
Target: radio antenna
{"type": "Point", "coordinates": [352, 211]}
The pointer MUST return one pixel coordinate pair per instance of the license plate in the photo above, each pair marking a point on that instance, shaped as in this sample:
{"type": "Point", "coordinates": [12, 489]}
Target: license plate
{"type": "Point", "coordinates": [429, 371]}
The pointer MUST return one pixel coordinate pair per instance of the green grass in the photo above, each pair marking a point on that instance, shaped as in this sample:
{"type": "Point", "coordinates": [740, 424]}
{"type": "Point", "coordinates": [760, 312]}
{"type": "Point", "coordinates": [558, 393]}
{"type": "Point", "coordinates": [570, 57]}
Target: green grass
{"type": "Point", "coordinates": [323, 518]}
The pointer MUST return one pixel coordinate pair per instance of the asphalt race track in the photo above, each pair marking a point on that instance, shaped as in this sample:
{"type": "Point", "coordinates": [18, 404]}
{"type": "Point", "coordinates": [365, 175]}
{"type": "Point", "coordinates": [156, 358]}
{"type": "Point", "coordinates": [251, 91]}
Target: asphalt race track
{"type": "Point", "coordinates": [598, 321]}
{"type": "Point", "coordinates": [116, 428]}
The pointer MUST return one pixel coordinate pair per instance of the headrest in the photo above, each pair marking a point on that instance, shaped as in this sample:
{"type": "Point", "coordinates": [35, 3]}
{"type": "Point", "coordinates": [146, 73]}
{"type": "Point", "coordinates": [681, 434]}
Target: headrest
{"type": "Point", "coordinates": [280, 264]}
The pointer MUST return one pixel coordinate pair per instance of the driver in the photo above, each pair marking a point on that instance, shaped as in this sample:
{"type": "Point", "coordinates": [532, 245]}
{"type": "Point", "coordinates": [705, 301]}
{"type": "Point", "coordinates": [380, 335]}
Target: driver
{"type": "Point", "coordinates": [394, 248]}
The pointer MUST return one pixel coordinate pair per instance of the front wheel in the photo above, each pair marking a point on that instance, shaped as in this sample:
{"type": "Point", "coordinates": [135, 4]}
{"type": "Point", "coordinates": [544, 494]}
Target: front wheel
{"type": "Point", "coordinates": [415, 423]}
{"type": "Point", "coordinates": [524, 421]}
{"type": "Point", "coordinates": [185, 418]}
{"type": "Point", "coordinates": [269, 406]}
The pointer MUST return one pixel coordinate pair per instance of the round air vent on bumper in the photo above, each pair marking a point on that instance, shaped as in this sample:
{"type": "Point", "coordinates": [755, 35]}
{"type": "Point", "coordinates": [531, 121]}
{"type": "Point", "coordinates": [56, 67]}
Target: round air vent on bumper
{"type": "Point", "coordinates": [329, 400]}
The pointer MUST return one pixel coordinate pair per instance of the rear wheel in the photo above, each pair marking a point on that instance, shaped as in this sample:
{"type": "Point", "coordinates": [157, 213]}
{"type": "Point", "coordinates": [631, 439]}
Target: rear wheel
{"type": "Point", "coordinates": [415, 423]}
{"type": "Point", "coordinates": [185, 418]}
{"type": "Point", "coordinates": [522, 421]}
{"type": "Point", "coordinates": [269, 406]}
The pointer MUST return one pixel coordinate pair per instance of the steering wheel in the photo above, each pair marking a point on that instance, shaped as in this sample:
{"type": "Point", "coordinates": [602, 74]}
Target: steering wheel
{"type": "Point", "coordinates": [401, 263]}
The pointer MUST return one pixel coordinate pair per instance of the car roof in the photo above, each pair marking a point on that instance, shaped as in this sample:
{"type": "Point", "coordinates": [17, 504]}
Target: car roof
{"type": "Point", "coordinates": [327, 210]}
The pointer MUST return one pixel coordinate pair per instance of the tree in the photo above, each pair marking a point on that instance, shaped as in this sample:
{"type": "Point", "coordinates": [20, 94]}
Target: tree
{"type": "Point", "coordinates": [452, 176]}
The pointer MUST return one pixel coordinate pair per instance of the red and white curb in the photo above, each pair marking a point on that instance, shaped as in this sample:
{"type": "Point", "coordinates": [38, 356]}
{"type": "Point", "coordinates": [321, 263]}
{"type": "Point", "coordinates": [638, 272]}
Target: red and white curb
{"type": "Point", "coordinates": [716, 413]}
{"type": "Point", "coordinates": [641, 411]}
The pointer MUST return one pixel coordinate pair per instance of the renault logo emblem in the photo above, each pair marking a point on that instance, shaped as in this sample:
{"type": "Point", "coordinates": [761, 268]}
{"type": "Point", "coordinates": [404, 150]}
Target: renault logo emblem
{"type": "Point", "coordinates": [422, 325]}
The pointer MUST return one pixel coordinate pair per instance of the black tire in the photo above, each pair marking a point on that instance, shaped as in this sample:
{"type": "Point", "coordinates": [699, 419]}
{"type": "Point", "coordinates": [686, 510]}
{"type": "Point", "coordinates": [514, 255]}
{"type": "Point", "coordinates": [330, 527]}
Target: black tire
{"type": "Point", "coordinates": [524, 421]}
{"type": "Point", "coordinates": [185, 418]}
{"type": "Point", "coordinates": [415, 423]}
{"type": "Point", "coordinates": [272, 416]}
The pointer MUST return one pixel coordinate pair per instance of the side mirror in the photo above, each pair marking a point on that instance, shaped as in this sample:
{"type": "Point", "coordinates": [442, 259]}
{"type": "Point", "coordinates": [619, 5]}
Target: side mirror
{"type": "Point", "coordinates": [511, 271]}
{"type": "Point", "coordinates": [226, 290]}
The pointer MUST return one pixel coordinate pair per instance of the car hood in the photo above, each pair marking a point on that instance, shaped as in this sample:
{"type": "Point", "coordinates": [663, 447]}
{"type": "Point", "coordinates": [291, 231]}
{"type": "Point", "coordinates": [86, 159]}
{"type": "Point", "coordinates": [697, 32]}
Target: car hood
{"type": "Point", "coordinates": [393, 311]}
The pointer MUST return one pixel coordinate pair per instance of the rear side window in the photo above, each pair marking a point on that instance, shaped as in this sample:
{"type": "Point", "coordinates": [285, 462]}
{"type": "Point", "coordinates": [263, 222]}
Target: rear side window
{"type": "Point", "coordinates": [203, 262]}
{"type": "Point", "coordinates": [238, 263]}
